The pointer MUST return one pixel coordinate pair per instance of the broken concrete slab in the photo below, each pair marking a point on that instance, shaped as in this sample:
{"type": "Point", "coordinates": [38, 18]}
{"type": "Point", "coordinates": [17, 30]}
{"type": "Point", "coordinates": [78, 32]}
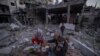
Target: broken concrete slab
{"type": "Point", "coordinates": [4, 25]}
{"type": "Point", "coordinates": [14, 26]}
{"type": "Point", "coordinates": [69, 26]}
{"type": "Point", "coordinates": [83, 48]}
{"type": "Point", "coordinates": [6, 50]}
{"type": "Point", "coordinates": [4, 34]}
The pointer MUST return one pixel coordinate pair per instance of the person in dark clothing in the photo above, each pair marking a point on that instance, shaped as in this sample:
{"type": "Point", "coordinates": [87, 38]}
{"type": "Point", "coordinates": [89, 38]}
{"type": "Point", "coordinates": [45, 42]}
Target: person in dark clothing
{"type": "Point", "coordinates": [62, 27]}
{"type": "Point", "coordinates": [61, 45]}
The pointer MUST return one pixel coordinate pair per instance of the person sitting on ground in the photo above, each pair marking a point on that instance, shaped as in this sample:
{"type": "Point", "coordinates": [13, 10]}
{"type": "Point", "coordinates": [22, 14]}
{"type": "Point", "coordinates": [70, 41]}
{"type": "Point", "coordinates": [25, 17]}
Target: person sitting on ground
{"type": "Point", "coordinates": [61, 45]}
{"type": "Point", "coordinates": [38, 38]}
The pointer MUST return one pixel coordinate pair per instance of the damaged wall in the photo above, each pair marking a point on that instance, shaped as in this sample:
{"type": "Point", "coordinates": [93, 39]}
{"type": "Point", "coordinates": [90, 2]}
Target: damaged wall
{"type": "Point", "coordinates": [4, 12]}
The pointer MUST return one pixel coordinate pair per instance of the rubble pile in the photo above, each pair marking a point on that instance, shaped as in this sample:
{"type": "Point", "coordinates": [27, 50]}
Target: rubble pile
{"type": "Point", "coordinates": [4, 39]}
{"type": "Point", "coordinates": [73, 52]}
{"type": "Point", "coordinates": [16, 41]}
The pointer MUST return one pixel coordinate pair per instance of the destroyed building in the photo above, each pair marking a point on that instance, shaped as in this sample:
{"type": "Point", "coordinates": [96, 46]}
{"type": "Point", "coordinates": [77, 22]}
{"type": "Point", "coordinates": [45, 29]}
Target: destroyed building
{"type": "Point", "coordinates": [4, 12]}
{"type": "Point", "coordinates": [43, 9]}
{"type": "Point", "coordinates": [67, 8]}
{"type": "Point", "coordinates": [25, 17]}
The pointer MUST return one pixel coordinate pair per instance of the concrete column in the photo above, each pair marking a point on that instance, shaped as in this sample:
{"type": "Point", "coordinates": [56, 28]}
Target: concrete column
{"type": "Point", "coordinates": [68, 13]}
{"type": "Point", "coordinates": [57, 1]}
{"type": "Point", "coordinates": [82, 11]}
{"type": "Point", "coordinates": [46, 16]}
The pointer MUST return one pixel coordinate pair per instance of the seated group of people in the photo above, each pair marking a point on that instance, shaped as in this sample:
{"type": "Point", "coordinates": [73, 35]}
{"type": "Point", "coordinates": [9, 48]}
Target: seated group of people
{"type": "Point", "coordinates": [60, 48]}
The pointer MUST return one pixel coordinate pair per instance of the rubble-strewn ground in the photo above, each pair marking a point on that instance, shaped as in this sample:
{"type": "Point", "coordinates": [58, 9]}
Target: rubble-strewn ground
{"type": "Point", "coordinates": [18, 40]}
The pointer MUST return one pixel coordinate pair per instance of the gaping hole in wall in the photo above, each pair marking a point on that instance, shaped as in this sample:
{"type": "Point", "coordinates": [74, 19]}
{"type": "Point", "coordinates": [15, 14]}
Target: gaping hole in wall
{"type": "Point", "coordinates": [4, 19]}
{"type": "Point", "coordinates": [41, 15]}
{"type": "Point", "coordinates": [12, 4]}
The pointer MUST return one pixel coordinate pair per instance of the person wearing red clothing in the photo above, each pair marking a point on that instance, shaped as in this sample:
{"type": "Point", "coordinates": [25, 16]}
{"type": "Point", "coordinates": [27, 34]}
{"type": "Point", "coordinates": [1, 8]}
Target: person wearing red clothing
{"type": "Point", "coordinates": [37, 40]}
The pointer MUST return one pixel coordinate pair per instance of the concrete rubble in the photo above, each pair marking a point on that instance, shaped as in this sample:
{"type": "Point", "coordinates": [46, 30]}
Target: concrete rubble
{"type": "Point", "coordinates": [6, 50]}
{"type": "Point", "coordinates": [21, 19]}
{"type": "Point", "coordinates": [15, 40]}
{"type": "Point", "coordinates": [14, 26]}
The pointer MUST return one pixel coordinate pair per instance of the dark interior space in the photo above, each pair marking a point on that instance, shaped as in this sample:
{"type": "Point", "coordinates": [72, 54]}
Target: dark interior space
{"type": "Point", "coordinates": [76, 8]}
{"type": "Point", "coordinates": [4, 19]}
{"type": "Point", "coordinates": [41, 13]}
{"type": "Point", "coordinates": [4, 8]}
{"type": "Point", "coordinates": [58, 18]}
{"type": "Point", "coordinates": [58, 10]}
